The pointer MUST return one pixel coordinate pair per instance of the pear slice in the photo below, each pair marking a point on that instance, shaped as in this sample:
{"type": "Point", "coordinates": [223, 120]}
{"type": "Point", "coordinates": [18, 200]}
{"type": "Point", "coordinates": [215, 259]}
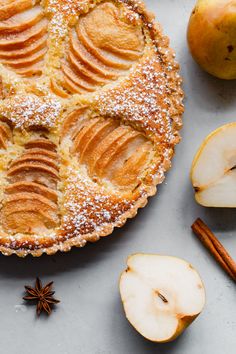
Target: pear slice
{"type": "Point", "coordinates": [213, 170]}
{"type": "Point", "coordinates": [91, 61]}
{"type": "Point", "coordinates": [41, 143]}
{"type": "Point", "coordinates": [161, 295]}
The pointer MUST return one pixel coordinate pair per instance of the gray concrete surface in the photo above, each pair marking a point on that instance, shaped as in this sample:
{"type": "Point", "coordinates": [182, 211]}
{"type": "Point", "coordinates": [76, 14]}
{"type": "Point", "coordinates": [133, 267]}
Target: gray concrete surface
{"type": "Point", "coordinates": [90, 318]}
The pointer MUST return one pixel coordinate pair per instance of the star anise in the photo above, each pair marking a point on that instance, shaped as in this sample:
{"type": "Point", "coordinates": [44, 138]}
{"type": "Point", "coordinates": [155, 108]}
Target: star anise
{"type": "Point", "coordinates": [43, 296]}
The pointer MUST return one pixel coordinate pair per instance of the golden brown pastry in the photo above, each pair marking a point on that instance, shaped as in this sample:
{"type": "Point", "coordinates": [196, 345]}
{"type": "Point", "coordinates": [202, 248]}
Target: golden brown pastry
{"type": "Point", "coordinates": [90, 112]}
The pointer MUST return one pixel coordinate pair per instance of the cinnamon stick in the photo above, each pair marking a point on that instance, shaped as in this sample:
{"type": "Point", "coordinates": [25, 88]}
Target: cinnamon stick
{"type": "Point", "coordinates": [217, 250]}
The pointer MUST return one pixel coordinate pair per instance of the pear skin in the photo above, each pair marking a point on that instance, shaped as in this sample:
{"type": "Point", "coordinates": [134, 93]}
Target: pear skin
{"type": "Point", "coordinates": [212, 37]}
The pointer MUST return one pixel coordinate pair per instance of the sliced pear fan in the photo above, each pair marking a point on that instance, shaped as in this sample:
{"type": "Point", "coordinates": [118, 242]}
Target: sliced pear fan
{"type": "Point", "coordinates": [89, 60]}
{"type": "Point", "coordinates": [23, 36]}
{"type": "Point", "coordinates": [20, 203]}
{"type": "Point", "coordinates": [94, 60]}
{"type": "Point", "coordinates": [31, 192]}
{"type": "Point", "coordinates": [108, 148]}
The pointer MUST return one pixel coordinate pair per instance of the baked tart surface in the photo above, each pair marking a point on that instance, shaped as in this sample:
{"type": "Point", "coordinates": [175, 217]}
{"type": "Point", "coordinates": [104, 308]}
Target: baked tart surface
{"type": "Point", "coordinates": [90, 112]}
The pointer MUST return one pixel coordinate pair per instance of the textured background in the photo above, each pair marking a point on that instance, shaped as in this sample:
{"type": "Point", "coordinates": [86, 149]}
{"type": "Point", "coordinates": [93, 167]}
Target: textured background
{"type": "Point", "coordinates": [90, 318]}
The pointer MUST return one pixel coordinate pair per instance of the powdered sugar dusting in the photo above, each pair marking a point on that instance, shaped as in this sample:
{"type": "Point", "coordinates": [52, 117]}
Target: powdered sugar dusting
{"type": "Point", "coordinates": [62, 13]}
{"type": "Point", "coordinates": [142, 99]}
{"type": "Point", "coordinates": [68, 8]}
{"type": "Point", "coordinates": [58, 26]}
{"type": "Point", "coordinates": [29, 110]}
{"type": "Point", "coordinates": [89, 207]}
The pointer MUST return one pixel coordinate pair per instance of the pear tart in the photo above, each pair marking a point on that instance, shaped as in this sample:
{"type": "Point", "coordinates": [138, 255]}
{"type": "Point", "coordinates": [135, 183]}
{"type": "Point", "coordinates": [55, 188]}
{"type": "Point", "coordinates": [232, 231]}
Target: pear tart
{"type": "Point", "coordinates": [90, 113]}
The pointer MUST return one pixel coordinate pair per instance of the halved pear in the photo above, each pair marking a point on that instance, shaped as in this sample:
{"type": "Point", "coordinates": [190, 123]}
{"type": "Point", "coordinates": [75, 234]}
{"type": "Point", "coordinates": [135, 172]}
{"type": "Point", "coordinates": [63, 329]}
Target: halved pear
{"type": "Point", "coordinates": [161, 295]}
{"type": "Point", "coordinates": [213, 172]}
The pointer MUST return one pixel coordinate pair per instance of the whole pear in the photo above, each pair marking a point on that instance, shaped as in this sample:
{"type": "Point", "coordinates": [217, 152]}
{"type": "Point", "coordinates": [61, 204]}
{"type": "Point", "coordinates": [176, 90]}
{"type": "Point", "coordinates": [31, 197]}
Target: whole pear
{"type": "Point", "coordinates": [212, 37]}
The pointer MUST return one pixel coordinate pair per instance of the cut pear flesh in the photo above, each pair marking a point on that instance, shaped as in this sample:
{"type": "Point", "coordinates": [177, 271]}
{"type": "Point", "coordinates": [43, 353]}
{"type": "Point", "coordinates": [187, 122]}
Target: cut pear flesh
{"type": "Point", "coordinates": [213, 170]}
{"type": "Point", "coordinates": [161, 295]}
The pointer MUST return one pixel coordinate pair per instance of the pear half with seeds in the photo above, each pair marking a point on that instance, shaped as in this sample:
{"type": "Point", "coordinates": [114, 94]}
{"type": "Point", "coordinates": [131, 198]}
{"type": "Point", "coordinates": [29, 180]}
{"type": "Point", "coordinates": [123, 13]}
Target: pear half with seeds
{"type": "Point", "coordinates": [161, 295]}
{"type": "Point", "coordinates": [213, 172]}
